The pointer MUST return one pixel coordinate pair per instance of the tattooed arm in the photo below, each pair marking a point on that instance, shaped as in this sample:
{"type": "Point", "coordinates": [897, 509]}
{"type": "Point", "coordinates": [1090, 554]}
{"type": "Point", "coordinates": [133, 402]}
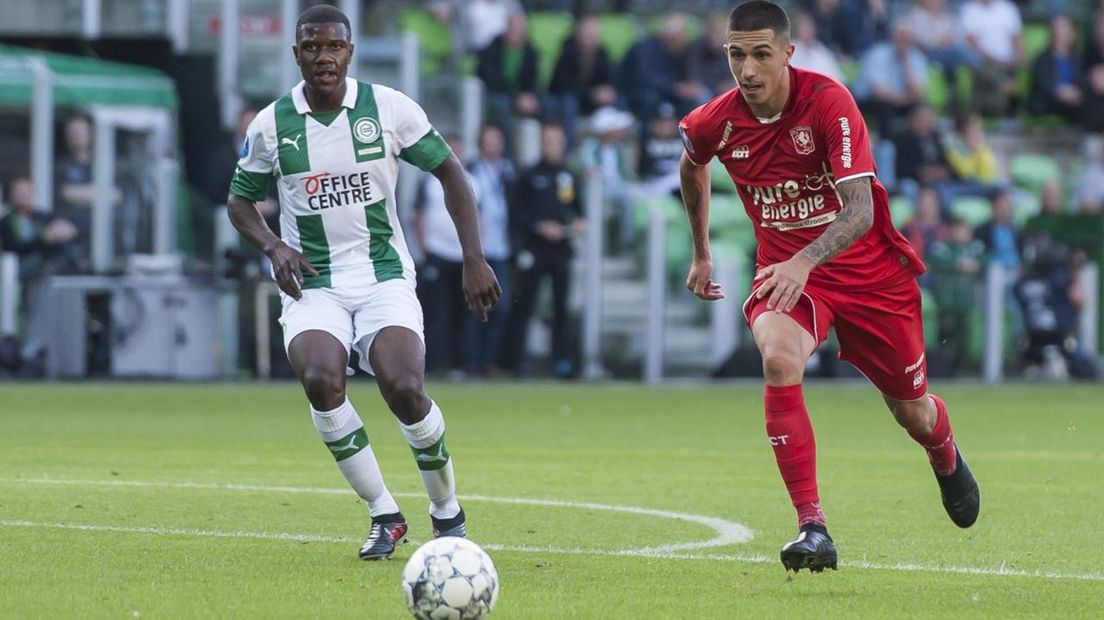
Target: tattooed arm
{"type": "Point", "coordinates": [785, 281]}
{"type": "Point", "coordinates": [856, 217]}
{"type": "Point", "coordinates": [694, 180]}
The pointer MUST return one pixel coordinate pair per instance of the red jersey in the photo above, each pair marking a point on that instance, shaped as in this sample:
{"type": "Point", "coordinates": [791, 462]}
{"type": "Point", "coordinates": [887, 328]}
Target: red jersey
{"type": "Point", "coordinates": [786, 170]}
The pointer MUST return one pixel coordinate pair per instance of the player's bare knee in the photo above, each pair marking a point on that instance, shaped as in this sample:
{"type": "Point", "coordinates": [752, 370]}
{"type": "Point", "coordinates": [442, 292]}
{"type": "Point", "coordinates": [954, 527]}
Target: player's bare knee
{"type": "Point", "coordinates": [325, 388]}
{"type": "Point", "coordinates": [782, 368]}
{"type": "Point", "coordinates": [406, 397]}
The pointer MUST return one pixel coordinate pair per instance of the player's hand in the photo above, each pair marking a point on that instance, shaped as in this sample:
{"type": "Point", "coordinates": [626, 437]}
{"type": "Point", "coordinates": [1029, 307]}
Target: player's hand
{"type": "Point", "coordinates": [699, 283]}
{"type": "Point", "coordinates": [784, 282]}
{"type": "Point", "coordinates": [481, 289]}
{"type": "Point", "coordinates": [288, 266]}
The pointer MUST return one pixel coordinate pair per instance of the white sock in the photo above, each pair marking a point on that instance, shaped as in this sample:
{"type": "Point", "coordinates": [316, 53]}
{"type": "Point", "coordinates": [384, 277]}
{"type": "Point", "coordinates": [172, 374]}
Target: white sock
{"type": "Point", "coordinates": [343, 433]}
{"type": "Point", "coordinates": [427, 440]}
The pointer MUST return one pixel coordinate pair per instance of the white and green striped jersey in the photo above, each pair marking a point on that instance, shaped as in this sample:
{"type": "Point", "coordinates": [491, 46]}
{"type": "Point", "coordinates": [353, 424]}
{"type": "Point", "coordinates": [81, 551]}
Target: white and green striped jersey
{"type": "Point", "coordinates": [336, 173]}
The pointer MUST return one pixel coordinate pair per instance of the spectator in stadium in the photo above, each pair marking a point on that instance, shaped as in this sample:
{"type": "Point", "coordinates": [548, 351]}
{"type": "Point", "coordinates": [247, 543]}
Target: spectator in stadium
{"type": "Point", "coordinates": [493, 178]}
{"type": "Point", "coordinates": [1091, 183]}
{"type": "Point", "coordinates": [1051, 199]}
{"type": "Point", "coordinates": [809, 52]}
{"type": "Point", "coordinates": [74, 189]}
{"type": "Point", "coordinates": [482, 21]}
{"type": "Point", "coordinates": [43, 243]}
{"type": "Point", "coordinates": [707, 62]}
{"type": "Point", "coordinates": [850, 26]}
{"type": "Point", "coordinates": [939, 34]}
{"type": "Point", "coordinates": [548, 216]}
{"type": "Point", "coordinates": [926, 226]}
{"type": "Point", "coordinates": [1057, 75]}
{"type": "Point", "coordinates": [1000, 236]}
{"type": "Point", "coordinates": [993, 30]}
{"type": "Point", "coordinates": [1093, 117]}
{"type": "Point", "coordinates": [604, 156]}
{"type": "Point", "coordinates": [892, 78]}
{"type": "Point", "coordinates": [655, 70]}
{"type": "Point", "coordinates": [583, 79]}
{"type": "Point", "coordinates": [956, 263]}
{"type": "Point", "coordinates": [508, 68]}
{"type": "Point", "coordinates": [660, 153]}
{"type": "Point", "coordinates": [440, 276]}
{"type": "Point", "coordinates": [921, 155]}
{"type": "Point", "coordinates": [1094, 38]}
{"type": "Point", "coordinates": [970, 156]}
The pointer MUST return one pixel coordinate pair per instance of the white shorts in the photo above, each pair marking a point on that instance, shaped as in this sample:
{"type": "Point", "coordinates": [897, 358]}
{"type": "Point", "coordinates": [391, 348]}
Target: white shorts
{"type": "Point", "coordinates": [353, 315]}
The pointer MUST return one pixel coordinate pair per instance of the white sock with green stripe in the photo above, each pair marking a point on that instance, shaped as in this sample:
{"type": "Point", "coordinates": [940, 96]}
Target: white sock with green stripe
{"type": "Point", "coordinates": [427, 440]}
{"type": "Point", "coordinates": [343, 433]}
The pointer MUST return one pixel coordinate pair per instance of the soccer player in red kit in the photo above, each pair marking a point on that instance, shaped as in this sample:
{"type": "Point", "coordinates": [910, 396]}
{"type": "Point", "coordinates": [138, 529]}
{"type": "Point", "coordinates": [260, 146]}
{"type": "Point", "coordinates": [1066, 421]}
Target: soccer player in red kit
{"type": "Point", "coordinates": [797, 149]}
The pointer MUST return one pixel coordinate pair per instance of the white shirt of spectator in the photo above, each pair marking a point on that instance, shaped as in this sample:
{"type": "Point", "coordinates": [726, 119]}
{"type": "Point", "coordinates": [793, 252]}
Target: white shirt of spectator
{"type": "Point", "coordinates": [441, 239]}
{"type": "Point", "coordinates": [930, 30]}
{"type": "Point", "coordinates": [494, 214]}
{"type": "Point", "coordinates": [483, 20]}
{"type": "Point", "coordinates": [995, 25]}
{"type": "Point", "coordinates": [816, 57]}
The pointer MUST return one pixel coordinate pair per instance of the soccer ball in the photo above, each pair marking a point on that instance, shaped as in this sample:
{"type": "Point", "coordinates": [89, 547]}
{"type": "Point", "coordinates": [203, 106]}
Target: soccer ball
{"type": "Point", "coordinates": [450, 579]}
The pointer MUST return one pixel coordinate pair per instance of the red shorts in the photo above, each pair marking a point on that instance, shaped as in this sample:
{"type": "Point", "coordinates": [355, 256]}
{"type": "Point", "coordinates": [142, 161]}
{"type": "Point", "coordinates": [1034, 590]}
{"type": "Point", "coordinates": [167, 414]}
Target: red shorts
{"type": "Point", "coordinates": [880, 332]}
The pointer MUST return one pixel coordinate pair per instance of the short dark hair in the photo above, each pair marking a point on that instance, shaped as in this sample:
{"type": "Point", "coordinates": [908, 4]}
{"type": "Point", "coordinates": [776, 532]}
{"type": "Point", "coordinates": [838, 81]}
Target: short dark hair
{"type": "Point", "coordinates": [324, 14]}
{"type": "Point", "coordinates": [760, 15]}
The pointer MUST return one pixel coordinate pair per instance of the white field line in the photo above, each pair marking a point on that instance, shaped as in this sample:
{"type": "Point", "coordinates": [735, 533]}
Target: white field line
{"type": "Point", "coordinates": [745, 559]}
{"type": "Point", "coordinates": [660, 552]}
{"type": "Point", "coordinates": [727, 532]}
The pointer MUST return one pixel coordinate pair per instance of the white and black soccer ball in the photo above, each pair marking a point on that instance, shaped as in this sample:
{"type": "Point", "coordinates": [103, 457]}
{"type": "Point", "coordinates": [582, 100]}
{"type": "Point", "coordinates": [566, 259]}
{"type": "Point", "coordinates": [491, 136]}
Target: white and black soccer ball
{"type": "Point", "coordinates": [450, 578]}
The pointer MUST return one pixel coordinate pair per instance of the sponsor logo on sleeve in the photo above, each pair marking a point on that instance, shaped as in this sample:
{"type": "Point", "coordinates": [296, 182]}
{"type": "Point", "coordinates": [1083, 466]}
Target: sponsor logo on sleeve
{"type": "Point", "coordinates": [725, 135]}
{"type": "Point", "coordinates": [845, 130]}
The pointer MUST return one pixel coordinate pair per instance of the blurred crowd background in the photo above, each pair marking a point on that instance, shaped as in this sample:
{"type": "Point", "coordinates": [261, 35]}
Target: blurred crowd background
{"type": "Point", "coordinates": [987, 119]}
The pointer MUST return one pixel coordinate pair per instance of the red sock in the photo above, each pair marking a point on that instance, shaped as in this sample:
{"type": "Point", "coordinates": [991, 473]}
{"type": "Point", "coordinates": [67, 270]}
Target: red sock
{"type": "Point", "coordinates": [940, 442]}
{"type": "Point", "coordinates": [791, 436]}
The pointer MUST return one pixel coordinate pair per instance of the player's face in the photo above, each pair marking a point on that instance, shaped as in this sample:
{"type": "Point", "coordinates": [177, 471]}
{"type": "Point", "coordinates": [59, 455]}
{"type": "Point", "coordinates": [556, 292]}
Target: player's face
{"type": "Point", "coordinates": [758, 60]}
{"type": "Point", "coordinates": [323, 52]}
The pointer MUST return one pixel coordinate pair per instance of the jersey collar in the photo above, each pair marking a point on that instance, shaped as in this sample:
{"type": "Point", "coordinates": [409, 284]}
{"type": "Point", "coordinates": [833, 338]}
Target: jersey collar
{"type": "Point", "coordinates": [299, 98]}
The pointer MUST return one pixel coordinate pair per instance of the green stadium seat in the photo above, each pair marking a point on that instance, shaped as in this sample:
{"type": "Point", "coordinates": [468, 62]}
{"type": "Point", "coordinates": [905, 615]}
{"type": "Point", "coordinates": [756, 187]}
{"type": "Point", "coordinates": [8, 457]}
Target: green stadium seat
{"type": "Point", "coordinates": [434, 38]}
{"type": "Point", "coordinates": [901, 210]}
{"type": "Point", "coordinates": [547, 31]}
{"type": "Point", "coordinates": [972, 210]}
{"type": "Point", "coordinates": [719, 181]}
{"type": "Point", "coordinates": [936, 94]}
{"type": "Point", "coordinates": [1033, 170]}
{"type": "Point", "coordinates": [1035, 37]}
{"type": "Point", "coordinates": [929, 317]}
{"type": "Point", "coordinates": [619, 32]}
{"type": "Point", "coordinates": [1025, 207]}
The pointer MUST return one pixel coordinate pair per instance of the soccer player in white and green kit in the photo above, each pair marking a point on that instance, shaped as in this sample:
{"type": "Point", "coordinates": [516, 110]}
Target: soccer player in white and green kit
{"type": "Point", "coordinates": [345, 274]}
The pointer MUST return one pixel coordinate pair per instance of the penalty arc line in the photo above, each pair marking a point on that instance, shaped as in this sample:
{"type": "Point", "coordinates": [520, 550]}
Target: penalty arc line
{"type": "Point", "coordinates": [727, 532]}
{"type": "Point", "coordinates": [732, 536]}
{"type": "Point", "coordinates": [746, 559]}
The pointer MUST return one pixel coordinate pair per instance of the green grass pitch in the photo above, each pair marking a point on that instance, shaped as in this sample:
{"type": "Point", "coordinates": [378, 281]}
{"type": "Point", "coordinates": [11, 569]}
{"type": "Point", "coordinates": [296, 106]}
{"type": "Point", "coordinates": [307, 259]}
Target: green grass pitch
{"type": "Point", "coordinates": [201, 501]}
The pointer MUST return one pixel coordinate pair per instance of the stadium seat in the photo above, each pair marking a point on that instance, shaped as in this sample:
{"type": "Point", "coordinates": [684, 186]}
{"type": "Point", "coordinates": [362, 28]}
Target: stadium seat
{"type": "Point", "coordinates": [930, 318]}
{"type": "Point", "coordinates": [719, 181]}
{"type": "Point", "coordinates": [619, 32]}
{"type": "Point", "coordinates": [434, 39]}
{"type": "Point", "coordinates": [1035, 37]}
{"type": "Point", "coordinates": [901, 210]}
{"type": "Point", "coordinates": [1033, 170]}
{"type": "Point", "coordinates": [936, 93]}
{"type": "Point", "coordinates": [973, 210]}
{"type": "Point", "coordinates": [547, 31]}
